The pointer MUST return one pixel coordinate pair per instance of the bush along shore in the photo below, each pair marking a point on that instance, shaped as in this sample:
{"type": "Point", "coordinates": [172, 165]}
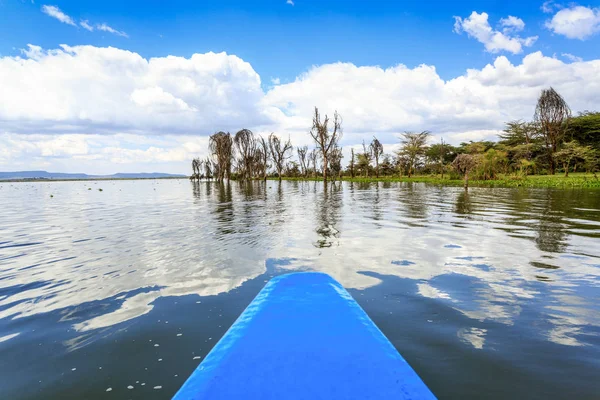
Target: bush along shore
{"type": "Point", "coordinates": [555, 149]}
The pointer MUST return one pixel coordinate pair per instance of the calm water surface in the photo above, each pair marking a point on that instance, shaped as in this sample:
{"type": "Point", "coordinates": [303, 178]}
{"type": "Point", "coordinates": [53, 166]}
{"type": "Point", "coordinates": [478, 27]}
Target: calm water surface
{"type": "Point", "coordinates": [120, 293]}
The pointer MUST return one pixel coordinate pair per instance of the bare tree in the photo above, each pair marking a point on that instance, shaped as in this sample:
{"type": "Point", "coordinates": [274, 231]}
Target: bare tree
{"type": "Point", "coordinates": [312, 156]}
{"type": "Point", "coordinates": [246, 146]}
{"type": "Point", "coordinates": [414, 146]}
{"type": "Point", "coordinates": [552, 114]}
{"type": "Point", "coordinates": [352, 163]}
{"type": "Point", "coordinates": [364, 159]}
{"type": "Point", "coordinates": [208, 169]}
{"type": "Point", "coordinates": [195, 168]}
{"type": "Point", "coordinates": [302, 151]}
{"type": "Point", "coordinates": [465, 163]}
{"type": "Point", "coordinates": [221, 146]}
{"type": "Point", "coordinates": [325, 139]}
{"type": "Point", "coordinates": [377, 151]}
{"type": "Point", "coordinates": [280, 152]}
{"type": "Point", "coordinates": [265, 155]}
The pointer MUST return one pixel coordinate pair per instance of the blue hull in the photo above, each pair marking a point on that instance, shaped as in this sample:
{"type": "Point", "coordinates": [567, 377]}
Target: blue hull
{"type": "Point", "coordinates": [304, 337]}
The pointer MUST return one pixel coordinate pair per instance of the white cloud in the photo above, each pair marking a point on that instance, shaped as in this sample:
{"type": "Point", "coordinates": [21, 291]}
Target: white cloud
{"type": "Point", "coordinates": [275, 81]}
{"type": "Point", "coordinates": [576, 22]}
{"type": "Point", "coordinates": [549, 6]}
{"type": "Point", "coordinates": [478, 27]}
{"type": "Point", "coordinates": [86, 108]}
{"type": "Point", "coordinates": [106, 28]}
{"type": "Point", "coordinates": [290, 2]}
{"type": "Point", "coordinates": [512, 24]}
{"type": "Point", "coordinates": [571, 57]}
{"type": "Point", "coordinates": [55, 12]}
{"type": "Point", "coordinates": [86, 25]}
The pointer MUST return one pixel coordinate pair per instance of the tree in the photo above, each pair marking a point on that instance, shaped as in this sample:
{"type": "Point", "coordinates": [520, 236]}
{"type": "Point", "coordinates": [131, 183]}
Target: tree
{"type": "Point", "coordinates": [573, 151]}
{"type": "Point", "coordinates": [585, 128]}
{"type": "Point", "coordinates": [335, 162]}
{"type": "Point", "coordinates": [351, 166]}
{"type": "Point", "coordinates": [279, 152]}
{"type": "Point", "coordinates": [364, 160]}
{"type": "Point", "coordinates": [414, 147]}
{"type": "Point", "coordinates": [325, 139]}
{"type": "Point", "coordinates": [463, 164]}
{"type": "Point", "coordinates": [377, 151]}
{"type": "Point", "coordinates": [208, 169]}
{"type": "Point", "coordinates": [302, 152]}
{"type": "Point", "coordinates": [312, 156]}
{"type": "Point", "coordinates": [265, 155]}
{"type": "Point", "coordinates": [246, 146]}
{"type": "Point", "coordinates": [552, 113]}
{"type": "Point", "coordinates": [491, 162]}
{"type": "Point", "coordinates": [196, 166]}
{"type": "Point", "coordinates": [221, 147]}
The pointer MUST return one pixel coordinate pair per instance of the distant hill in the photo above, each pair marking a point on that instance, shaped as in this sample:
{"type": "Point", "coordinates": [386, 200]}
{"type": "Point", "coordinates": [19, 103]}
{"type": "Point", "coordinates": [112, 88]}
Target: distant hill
{"type": "Point", "coordinates": [60, 175]}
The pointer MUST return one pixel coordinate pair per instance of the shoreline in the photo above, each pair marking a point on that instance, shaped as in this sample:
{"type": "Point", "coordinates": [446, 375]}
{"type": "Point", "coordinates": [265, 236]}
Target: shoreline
{"type": "Point", "coordinates": [36, 180]}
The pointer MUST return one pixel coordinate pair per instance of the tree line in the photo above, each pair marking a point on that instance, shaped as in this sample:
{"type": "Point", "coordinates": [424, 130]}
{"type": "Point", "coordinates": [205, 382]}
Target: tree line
{"type": "Point", "coordinates": [553, 141]}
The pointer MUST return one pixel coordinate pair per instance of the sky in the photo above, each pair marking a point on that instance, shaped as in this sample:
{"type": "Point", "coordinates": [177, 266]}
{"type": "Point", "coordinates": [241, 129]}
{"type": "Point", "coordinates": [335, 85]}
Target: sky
{"type": "Point", "coordinates": [130, 86]}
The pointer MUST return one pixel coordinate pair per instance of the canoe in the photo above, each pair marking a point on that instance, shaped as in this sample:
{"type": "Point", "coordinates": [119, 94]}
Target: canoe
{"type": "Point", "coordinates": [304, 337]}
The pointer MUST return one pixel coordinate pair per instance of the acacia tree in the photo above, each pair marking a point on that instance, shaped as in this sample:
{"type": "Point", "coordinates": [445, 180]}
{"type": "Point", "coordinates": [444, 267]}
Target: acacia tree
{"type": "Point", "coordinates": [264, 156]}
{"type": "Point", "coordinates": [573, 151]}
{"type": "Point", "coordinates": [302, 152]}
{"type": "Point", "coordinates": [280, 152]}
{"type": "Point", "coordinates": [552, 114]}
{"type": "Point", "coordinates": [377, 151]}
{"type": "Point", "coordinates": [221, 146]}
{"type": "Point", "coordinates": [414, 146]}
{"type": "Point", "coordinates": [463, 164]}
{"type": "Point", "coordinates": [352, 163]}
{"type": "Point", "coordinates": [325, 139]}
{"type": "Point", "coordinates": [364, 159]}
{"type": "Point", "coordinates": [246, 146]}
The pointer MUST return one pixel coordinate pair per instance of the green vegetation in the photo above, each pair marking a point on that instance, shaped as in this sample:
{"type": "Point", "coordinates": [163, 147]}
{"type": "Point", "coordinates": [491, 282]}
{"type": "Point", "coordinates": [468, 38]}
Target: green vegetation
{"type": "Point", "coordinates": [528, 153]}
{"type": "Point", "coordinates": [574, 180]}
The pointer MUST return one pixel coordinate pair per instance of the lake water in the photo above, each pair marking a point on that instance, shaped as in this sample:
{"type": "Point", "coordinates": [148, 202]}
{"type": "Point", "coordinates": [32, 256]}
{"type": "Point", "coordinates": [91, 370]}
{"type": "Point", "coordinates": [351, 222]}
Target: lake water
{"type": "Point", "coordinates": [120, 293]}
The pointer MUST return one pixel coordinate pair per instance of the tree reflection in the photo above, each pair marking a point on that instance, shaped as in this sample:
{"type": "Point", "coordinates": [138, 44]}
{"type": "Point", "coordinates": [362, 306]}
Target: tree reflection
{"type": "Point", "coordinates": [328, 215]}
{"type": "Point", "coordinates": [551, 232]}
{"type": "Point", "coordinates": [413, 197]}
{"type": "Point", "coordinates": [463, 205]}
{"type": "Point", "coordinates": [224, 212]}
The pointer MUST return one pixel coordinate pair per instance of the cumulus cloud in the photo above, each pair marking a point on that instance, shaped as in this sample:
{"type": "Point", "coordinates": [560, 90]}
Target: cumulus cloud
{"type": "Point", "coordinates": [512, 24]}
{"type": "Point", "coordinates": [575, 22]}
{"type": "Point", "coordinates": [85, 24]}
{"type": "Point", "coordinates": [549, 7]}
{"type": "Point", "coordinates": [108, 90]}
{"type": "Point", "coordinates": [115, 107]}
{"type": "Point", "coordinates": [106, 28]}
{"type": "Point", "coordinates": [55, 12]}
{"type": "Point", "coordinates": [478, 27]}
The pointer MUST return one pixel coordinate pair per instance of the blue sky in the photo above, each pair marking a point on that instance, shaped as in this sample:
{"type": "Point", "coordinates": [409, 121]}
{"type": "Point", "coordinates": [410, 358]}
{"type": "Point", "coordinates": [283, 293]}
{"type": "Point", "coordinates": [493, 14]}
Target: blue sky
{"type": "Point", "coordinates": [286, 56]}
{"type": "Point", "coordinates": [281, 40]}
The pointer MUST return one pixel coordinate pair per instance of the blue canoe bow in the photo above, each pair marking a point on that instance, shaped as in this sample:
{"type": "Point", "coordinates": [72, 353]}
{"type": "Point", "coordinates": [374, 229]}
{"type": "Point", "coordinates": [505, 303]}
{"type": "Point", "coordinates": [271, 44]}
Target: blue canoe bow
{"type": "Point", "coordinates": [304, 337]}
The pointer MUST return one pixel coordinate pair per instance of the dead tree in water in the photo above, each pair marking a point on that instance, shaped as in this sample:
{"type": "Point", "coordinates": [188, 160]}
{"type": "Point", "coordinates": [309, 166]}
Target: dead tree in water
{"type": "Point", "coordinates": [279, 152]}
{"type": "Point", "coordinates": [195, 169]}
{"type": "Point", "coordinates": [312, 158]}
{"type": "Point", "coordinates": [245, 143]}
{"type": "Point", "coordinates": [552, 114]}
{"type": "Point", "coordinates": [221, 146]}
{"type": "Point", "coordinates": [377, 151]}
{"type": "Point", "coordinates": [325, 139]}
{"type": "Point", "coordinates": [302, 158]}
{"type": "Point", "coordinates": [351, 166]}
{"type": "Point", "coordinates": [265, 155]}
{"type": "Point", "coordinates": [208, 169]}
